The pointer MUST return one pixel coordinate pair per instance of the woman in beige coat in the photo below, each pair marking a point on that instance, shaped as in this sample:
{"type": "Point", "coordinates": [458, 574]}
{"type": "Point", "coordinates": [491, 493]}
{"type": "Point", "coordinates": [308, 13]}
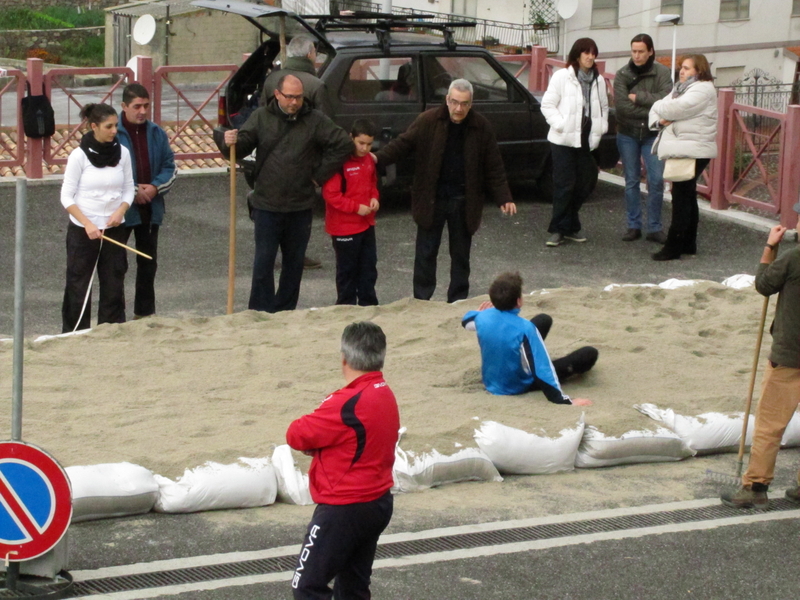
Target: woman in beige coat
{"type": "Point", "coordinates": [688, 120]}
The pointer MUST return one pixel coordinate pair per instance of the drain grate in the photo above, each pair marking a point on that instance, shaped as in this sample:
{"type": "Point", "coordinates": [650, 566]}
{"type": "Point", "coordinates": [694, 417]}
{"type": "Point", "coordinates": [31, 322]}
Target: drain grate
{"type": "Point", "coordinates": [461, 541]}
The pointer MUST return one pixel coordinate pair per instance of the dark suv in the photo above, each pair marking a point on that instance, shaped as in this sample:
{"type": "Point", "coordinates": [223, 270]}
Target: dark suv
{"type": "Point", "coordinates": [375, 68]}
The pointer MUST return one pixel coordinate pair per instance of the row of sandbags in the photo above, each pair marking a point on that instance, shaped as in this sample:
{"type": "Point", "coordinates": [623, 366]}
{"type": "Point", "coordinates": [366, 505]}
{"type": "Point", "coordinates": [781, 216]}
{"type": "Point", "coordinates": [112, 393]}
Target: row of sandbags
{"type": "Point", "coordinates": [110, 490]}
{"type": "Point", "coordinates": [120, 489]}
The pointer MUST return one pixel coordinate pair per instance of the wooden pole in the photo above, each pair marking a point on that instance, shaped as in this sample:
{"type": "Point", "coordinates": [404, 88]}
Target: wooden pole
{"type": "Point", "coordinates": [128, 248]}
{"type": "Point", "coordinates": [232, 236]}
{"type": "Point", "coordinates": [282, 38]}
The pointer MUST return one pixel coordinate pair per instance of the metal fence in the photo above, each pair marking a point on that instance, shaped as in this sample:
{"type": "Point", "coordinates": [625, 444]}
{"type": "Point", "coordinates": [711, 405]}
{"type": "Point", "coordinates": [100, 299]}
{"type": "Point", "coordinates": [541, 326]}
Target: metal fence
{"type": "Point", "coordinates": [770, 96]}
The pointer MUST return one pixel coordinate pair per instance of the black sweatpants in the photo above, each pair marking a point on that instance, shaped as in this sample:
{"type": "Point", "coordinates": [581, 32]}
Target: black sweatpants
{"type": "Point", "coordinates": [111, 268]}
{"type": "Point", "coordinates": [146, 234]}
{"type": "Point", "coordinates": [356, 268]}
{"type": "Point", "coordinates": [574, 363]}
{"type": "Point", "coordinates": [340, 544]}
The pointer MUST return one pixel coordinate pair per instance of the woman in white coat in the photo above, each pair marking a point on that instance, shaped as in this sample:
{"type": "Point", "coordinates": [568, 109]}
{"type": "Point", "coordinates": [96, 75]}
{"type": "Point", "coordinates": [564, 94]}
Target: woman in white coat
{"type": "Point", "coordinates": [688, 122]}
{"type": "Point", "coordinates": [576, 108]}
{"type": "Point", "coordinates": [97, 190]}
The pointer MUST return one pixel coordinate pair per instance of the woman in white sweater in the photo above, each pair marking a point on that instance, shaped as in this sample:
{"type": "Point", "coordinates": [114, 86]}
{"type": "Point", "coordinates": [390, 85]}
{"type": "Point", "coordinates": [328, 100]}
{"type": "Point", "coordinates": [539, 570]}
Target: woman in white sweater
{"type": "Point", "coordinates": [688, 122]}
{"type": "Point", "coordinates": [97, 190]}
{"type": "Point", "coordinates": [576, 108]}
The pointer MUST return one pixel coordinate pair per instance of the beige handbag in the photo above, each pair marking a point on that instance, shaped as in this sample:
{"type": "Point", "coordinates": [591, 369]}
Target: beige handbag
{"type": "Point", "coordinates": [679, 169]}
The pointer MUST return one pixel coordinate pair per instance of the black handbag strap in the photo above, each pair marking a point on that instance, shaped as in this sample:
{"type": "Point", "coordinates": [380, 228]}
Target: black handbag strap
{"type": "Point", "coordinates": [30, 93]}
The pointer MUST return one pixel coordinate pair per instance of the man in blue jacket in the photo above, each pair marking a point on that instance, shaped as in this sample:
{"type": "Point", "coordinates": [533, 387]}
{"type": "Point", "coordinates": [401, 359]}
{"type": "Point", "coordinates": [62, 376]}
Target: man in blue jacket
{"type": "Point", "coordinates": [154, 171]}
{"type": "Point", "coordinates": [514, 359]}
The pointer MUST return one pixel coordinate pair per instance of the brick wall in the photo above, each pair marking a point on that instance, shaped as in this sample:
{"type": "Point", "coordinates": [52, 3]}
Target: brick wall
{"type": "Point", "coordinates": [15, 44]}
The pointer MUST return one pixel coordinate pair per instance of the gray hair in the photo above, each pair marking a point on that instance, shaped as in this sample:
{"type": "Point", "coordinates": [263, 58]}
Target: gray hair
{"type": "Point", "coordinates": [364, 346]}
{"type": "Point", "coordinates": [300, 45]}
{"type": "Point", "coordinates": [462, 85]}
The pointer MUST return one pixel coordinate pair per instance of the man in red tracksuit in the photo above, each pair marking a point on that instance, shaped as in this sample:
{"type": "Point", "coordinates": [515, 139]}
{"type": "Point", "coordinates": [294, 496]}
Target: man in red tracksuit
{"type": "Point", "coordinates": [351, 437]}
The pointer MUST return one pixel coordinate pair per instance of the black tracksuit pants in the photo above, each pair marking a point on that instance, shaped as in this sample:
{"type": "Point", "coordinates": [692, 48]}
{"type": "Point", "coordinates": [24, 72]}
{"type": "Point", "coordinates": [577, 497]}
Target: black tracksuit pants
{"type": "Point", "coordinates": [340, 545]}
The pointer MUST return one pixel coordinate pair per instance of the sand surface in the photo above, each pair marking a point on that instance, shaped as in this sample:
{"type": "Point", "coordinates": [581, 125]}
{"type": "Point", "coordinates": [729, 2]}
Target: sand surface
{"type": "Point", "coordinates": [170, 394]}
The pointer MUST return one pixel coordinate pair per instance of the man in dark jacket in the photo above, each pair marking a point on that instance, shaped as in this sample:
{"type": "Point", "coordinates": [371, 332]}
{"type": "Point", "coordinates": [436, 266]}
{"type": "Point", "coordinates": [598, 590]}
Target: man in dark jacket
{"type": "Point", "coordinates": [458, 164]}
{"type": "Point", "coordinates": [351, 438]}
{"type": "Point", "coordinates": [637, 86]}
{"type": "Point", "coordinates": [780, 390]}
{"type": "Point", "coordinates": [153, 164]}
{"type": "Point", "coordinates": [300, 57]}
{"type": "Point", "coordinates": [296, 148]}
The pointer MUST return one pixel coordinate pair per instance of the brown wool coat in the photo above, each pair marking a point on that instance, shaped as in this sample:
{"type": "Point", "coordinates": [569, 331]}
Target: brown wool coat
{"type": "Point", "coordinates": [485, 173]}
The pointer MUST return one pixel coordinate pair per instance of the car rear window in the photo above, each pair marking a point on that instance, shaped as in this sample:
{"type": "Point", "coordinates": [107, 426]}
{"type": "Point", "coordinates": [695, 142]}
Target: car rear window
{"type": "Point", "coordinates": [392, 79]}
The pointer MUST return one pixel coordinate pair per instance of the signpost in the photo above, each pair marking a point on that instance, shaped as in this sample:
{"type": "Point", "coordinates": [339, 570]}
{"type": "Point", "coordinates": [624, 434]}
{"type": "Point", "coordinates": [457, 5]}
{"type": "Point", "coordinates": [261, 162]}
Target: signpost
{"type": "Point", "coordinates": [35, 502]}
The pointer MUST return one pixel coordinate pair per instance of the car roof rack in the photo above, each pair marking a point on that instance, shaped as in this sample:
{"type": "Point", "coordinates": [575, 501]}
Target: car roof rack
{"type": "Point", "coordinates": [382, 24]}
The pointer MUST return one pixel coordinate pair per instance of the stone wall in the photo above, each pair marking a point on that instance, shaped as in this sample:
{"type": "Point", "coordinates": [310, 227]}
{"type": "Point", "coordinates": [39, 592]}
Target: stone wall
{"type": "Point", "coordinates": [15, 44]}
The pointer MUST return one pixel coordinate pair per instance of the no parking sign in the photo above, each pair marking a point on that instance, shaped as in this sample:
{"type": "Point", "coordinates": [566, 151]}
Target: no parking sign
{"type": "Point", "coordinates": [35, 501]}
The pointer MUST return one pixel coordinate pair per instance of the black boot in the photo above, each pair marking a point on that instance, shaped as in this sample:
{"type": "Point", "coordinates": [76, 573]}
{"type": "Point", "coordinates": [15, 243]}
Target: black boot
{"type": "Point", "coordinates": [667, 253]}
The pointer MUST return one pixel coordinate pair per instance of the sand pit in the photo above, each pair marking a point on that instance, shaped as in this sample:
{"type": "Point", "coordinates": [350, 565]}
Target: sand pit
{"type": "Point", "coordinates": [170, 394]}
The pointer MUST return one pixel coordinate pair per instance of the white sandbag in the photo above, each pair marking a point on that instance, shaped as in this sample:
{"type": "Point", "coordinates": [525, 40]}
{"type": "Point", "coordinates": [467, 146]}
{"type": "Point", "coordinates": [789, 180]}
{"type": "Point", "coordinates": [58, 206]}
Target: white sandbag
{"type": "Point", "coordinates": [614, 286]}
{"type": "Point", "coordinates": [674, 284]}
{"type": "Point", "coordinates": [791, 437]}
{"type": "Point", "coordinates": [518, 452]}
{"type": "Point", "coordinates": [740, 282]}
{"type": "Point", "coordinates": [111, 490]}
{"type": "Point", "coordinates": [706, 433]}
{"type": "Point", "coordinates": [662, 445]}
{"type": "Point", "coordinates": [213, 486]}
{"type": "Point", "coordinates": [292, 484]}
{"type": "Point", "coordinates": [416, 473]}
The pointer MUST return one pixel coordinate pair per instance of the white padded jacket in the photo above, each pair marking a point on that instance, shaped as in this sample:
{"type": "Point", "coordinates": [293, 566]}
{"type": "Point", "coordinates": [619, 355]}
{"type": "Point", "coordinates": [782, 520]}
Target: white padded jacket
{"type": "Point", "coordinates": [562, 106]}
{"type": "Point", "coordinates": [693, 133]}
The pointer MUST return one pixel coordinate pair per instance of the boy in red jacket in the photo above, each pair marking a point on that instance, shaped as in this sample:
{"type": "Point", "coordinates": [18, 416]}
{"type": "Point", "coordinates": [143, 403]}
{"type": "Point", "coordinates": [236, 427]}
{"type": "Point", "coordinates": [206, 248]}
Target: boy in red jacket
{"type": "Point", "coordinates": [351, 201]}
{"type": "Point", "coordinates": [351, 437]}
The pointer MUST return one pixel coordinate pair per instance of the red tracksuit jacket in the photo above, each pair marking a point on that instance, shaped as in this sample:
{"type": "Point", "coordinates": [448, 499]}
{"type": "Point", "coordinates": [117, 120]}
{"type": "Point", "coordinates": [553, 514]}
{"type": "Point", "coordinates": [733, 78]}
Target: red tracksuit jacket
{"type": "Point", "coordinates": [341, 217]}
{"type": "Point", "coordinates": [354, 433]}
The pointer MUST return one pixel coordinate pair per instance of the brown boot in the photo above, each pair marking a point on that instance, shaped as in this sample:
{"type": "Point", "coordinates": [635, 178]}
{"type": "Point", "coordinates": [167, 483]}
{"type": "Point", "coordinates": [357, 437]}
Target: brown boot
{"type": "Point", "coordinates": [747, 497]}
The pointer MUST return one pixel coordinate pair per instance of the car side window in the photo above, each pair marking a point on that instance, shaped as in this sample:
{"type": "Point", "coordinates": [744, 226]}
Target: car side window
{"type": "Point", "coordinates": [381, 80]}
{"type": "Point", "coordinates": [488, 83]}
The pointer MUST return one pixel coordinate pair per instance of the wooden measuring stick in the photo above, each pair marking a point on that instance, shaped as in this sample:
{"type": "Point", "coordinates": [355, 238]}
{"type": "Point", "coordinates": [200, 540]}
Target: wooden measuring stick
{"type": "Point", "coordinates": [232, 234]}
{"type": "Point", "coordinates": [134, 250]}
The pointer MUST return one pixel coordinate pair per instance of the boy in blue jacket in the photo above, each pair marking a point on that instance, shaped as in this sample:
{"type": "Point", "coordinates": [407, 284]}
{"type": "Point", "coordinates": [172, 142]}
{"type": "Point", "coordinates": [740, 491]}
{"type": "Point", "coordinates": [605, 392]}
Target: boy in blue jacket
{"type": "Point", "coordinates": [514, 359]}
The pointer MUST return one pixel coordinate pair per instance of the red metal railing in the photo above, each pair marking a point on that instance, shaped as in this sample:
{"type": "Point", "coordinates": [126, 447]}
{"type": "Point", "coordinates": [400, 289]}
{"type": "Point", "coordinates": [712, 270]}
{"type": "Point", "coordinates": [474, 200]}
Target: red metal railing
{"type": "Point", "coordinates": [190, 134]}
{"type": "Point", "coordinates": [755, 162]}
{"type": "Point", "coordinates": [59, 81]}
{"type": "Point", "coordinates": [12, 151]}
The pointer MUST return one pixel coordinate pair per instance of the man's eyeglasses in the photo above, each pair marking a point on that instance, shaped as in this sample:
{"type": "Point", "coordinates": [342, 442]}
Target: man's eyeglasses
{"type": "Point", "coordinates": [457, 104]}
{"type": "Point", "coordinates": [291, 96]}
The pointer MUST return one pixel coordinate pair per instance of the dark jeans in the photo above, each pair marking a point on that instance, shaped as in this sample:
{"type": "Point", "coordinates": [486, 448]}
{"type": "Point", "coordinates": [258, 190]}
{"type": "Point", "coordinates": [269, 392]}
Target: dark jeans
{"type": "Point", "coordinates": [682, 236]}
{"type": "Point", "coordinates": [574, 363]}
{"type": "Point", "coordinates": [356, 268]}
{"type": "Point", "coordinates": [288, 232]}
{"type": "Point", "coordinates": [450, 210]}
{"type": "Point", "coordinates": [340, 543]}
{"type": "Point", "coordinates": [631, 152]}
{"type": "Point", "coordinates": [574, 173]}
{"type": "Point", "coordinates": [144, 301]}
{"type": "Point", "coordinates": [112, 264]}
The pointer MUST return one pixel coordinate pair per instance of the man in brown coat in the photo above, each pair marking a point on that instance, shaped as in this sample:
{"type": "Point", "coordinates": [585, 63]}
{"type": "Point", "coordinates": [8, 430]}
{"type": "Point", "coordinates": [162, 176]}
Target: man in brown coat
{"type": "Point", "coordinates": [457, 165]}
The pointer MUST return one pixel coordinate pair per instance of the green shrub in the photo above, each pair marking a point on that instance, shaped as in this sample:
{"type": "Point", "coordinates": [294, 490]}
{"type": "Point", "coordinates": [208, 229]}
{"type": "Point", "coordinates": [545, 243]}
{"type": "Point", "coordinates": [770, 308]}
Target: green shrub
{"type": "Point", "coordinates": [85, 18]}
{"type": "Point", "coordinates": [51, 17]}
{"type": "Point", "coordinates": [87, 53]}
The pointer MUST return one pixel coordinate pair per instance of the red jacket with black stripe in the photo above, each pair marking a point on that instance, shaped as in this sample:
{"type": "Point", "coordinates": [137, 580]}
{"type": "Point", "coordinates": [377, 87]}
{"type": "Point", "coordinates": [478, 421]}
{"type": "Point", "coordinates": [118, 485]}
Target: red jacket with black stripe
{"type": "Point", "coordinates": [353, 434]}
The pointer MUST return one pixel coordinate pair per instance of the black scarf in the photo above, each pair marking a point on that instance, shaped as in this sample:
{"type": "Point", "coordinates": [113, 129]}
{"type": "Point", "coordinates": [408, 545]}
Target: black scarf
{"type": "Point", "coordinates": [637, 70]}
{"type": "Point", "coordinates": [101, 155]}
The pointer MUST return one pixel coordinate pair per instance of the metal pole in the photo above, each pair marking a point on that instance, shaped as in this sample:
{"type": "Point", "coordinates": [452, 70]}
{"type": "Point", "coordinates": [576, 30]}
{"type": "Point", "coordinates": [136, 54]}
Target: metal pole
{"type": "Point", "coordinates": [19, 299]}
{"type": "Point", "coordinates": [674, 47]}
